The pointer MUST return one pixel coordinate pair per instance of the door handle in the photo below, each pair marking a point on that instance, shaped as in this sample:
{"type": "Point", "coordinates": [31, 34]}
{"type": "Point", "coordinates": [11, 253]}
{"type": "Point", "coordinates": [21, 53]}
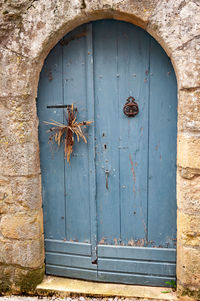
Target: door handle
{"type": "Point", "coordinates": [107, 174]}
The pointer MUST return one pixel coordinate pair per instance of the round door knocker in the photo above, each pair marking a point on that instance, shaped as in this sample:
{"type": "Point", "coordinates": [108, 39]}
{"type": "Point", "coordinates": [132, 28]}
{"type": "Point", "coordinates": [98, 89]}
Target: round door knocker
{"type": "Point", "coordinates": [131, 107]}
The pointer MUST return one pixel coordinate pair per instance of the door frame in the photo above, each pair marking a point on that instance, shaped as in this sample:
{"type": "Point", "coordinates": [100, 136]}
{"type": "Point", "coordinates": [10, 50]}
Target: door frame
{"type": "Point", "coordinates": [61, 230]}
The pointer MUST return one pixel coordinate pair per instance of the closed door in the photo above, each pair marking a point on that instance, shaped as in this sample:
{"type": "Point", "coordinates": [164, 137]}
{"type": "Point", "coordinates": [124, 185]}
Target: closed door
{"type": "Point", "coordinates": [111, 214]}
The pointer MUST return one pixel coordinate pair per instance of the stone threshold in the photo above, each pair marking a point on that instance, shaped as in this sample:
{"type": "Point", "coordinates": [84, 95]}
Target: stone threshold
{"type": "Point", "coordinates": [71, 287]}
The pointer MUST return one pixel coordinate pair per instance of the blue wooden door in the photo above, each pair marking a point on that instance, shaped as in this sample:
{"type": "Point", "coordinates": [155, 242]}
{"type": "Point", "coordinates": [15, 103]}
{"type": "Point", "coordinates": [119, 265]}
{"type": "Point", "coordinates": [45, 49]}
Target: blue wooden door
{"type": "Point", "coordinates": [111, 214]}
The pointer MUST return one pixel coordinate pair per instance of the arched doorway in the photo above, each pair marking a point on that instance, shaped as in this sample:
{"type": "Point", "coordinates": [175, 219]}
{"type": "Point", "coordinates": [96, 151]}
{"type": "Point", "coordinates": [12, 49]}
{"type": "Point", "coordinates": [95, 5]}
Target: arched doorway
{"type": "Point", "coordinates": [111, 214]}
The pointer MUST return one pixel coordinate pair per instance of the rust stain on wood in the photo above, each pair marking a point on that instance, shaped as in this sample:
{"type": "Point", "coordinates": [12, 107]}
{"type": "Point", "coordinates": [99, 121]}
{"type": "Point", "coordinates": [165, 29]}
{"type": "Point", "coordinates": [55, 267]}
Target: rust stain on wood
{"type": "Point", "coordinates": [133, 173]}
{"type": "Point", "coordinates": [132, 168]}
{"type": "Point", "coordinates": [102, 241]}
{"type": "Point", "coordinates": [139, 242]}
{"type": "Point", "coordinates": [50, 76]}
{"type": "Point", "coordinates": [75, 37]}
{"type": "Point", "coordinates": [115, 241]}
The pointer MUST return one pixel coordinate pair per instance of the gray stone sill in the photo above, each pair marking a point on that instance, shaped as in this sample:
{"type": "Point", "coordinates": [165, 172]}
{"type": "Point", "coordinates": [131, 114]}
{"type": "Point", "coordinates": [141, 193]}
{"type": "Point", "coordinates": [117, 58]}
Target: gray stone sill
{"type": "Point", "coordinates": [66, 287]}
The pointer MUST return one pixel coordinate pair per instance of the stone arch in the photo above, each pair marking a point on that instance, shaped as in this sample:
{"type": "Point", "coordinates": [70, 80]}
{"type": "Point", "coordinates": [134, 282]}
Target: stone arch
{"type": "Point", "coordinates": [175, 25]}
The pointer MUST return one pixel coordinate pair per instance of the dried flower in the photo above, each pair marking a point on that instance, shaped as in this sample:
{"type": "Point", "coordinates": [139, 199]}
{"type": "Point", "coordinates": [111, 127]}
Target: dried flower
{"type": "Point", "coordinates": [66, 132]}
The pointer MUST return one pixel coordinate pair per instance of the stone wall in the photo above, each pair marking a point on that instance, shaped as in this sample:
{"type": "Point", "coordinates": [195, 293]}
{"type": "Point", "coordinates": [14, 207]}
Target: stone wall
{"type": "Point", "coordinates": [28, 31]}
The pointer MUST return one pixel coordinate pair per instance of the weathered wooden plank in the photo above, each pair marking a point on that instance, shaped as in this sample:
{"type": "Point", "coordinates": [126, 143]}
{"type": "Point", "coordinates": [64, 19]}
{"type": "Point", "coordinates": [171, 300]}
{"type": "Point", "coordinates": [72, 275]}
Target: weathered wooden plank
{"type": "Point", "coordinates": [137, 267]}
{"type": "Point", "coordinates": [75, 57]}
{"type": "Point", "coordinates": [67, 247]}
{"type": "Point", "coordinates": [162, 150]}
{"type": "Point", "coordinates": [71, 272]}
{"type": "Point", "coordinates": [106, 130]}
{"type": "Point", "coordinates": [91, 142]}
{"type": "Point", "coordinates": [134, 278]}
{"type": "Point", "coordinates": [70, 260]}
{"type": "Point", "coordinates": [50, 92]}
{"type": "Point", "coordinates": [133, 80]}
{"type": "Point", "coordinates": [137, 253]}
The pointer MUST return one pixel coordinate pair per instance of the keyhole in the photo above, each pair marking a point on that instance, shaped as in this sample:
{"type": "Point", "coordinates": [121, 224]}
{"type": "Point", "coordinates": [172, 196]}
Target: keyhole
{"type": "Point", "coordinates": [105, 146]}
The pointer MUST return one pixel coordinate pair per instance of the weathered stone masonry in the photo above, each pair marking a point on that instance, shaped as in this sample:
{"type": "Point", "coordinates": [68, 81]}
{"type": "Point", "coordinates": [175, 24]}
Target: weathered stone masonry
{"type": "Point", "coordinates": [28, 31]}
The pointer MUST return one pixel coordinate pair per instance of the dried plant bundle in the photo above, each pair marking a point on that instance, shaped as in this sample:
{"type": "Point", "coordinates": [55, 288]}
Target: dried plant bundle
{"type": "Point", "coordinates": [61, 132]}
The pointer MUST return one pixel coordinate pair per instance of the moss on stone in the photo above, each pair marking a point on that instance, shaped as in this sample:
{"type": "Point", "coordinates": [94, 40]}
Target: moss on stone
{"type": "Point", "coordinates": [28, 281]}
{"type": "Point", "coordinates": [5, 285]}
{"type": "Point", "coordinates": [195, 294]}
{"type": "Point", "coordinates": [5, 279]}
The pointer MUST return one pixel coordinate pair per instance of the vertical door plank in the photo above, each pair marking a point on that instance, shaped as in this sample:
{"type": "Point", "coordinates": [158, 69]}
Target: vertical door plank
{"type": "Point", "coordinates": [162, 150]}
{"type": "Point", "coordinates": [133, 77]}
{"type": "Point", "coordinates": [50, 92]}
{"type": "Point", "coordinates": [106, 131]}
{"type": "Point", "coordinates": [76, 174]}
{"type": "Point", "coordinates": [91, 143]}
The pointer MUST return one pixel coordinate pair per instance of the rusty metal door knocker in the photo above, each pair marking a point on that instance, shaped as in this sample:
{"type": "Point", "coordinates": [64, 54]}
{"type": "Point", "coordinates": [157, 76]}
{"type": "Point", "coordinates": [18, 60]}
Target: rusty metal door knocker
{"type": "Point", "coordinates": [131, 108]}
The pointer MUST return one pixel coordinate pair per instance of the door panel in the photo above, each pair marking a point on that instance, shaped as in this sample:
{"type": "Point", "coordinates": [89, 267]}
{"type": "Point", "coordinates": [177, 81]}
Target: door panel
{"type": "Point", "coordinates": [71, 219]}
{"type": "Point", "coordinates": [69, 259]}
{"type": "Point", "coordinates": [111, 214]}
{"type": "Point", "coordinates": [76, 174]}
{"type": "Point", "coordinates": [133, 154]}
{"type": "Point", "coordinates": [140, 265]}
{"type": "Point", "coordinates": [162, 150]}
{"type": "Point", "coordinates": [106, 132]}
{"type": "Point", "coordinates": [52, 158]}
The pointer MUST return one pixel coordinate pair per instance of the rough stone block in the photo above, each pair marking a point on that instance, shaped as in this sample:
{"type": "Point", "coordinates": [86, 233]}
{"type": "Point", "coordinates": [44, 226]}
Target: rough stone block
{"type": "Point", "coordinates": [17, 280]}
{"type": "Point", "coordinates": [22, 226]}
{"type": "Point", "coordinates": [21, 108]}
{"type": "Point", "coordinates": [11, 13]}
{"type": "Point", "coordinates": [187, 294]}
{"type": "Point", "coordinates": [5, 193]}
{"type": "Point", "coordinates": [188, 228]}
{"type": "Point", "coordinates": [188, 193]}
{"type": "Point", "coordinates": [44, 19]}
{"type": "Point", "coordinates": [186, 298]}
{"type": "Point", "coordinates": [18, 122]}
{"type": "Point", "coordinates": [175, 22]}
{"type": "Point", "coordinates": [5, 278]}
{"type": "Point", "coordinates": [137, 12]}
{"type": "Point", "coordinates": [20, 194]}
{"type": "Point", "coordinates": [19, 159]}
{"type": "Point", "coordinates": [188, 266]}
{"type": "Point", "coordinates": [17, 132]}
{"type": "Point", "coordinates": [27, 253]}
{"type": "Point", "coordinates": [25, 281]}
{"type": "Point", "coordinates": [17, 74]}
{"type": "Point", "coordinates": [27, 192]}
{"type": "Point", "coordinates": [189, 110]}
{"type": "Point", "coordinates": [188, 151]}
{"type": "Point", "coordinates": [186, 62]}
